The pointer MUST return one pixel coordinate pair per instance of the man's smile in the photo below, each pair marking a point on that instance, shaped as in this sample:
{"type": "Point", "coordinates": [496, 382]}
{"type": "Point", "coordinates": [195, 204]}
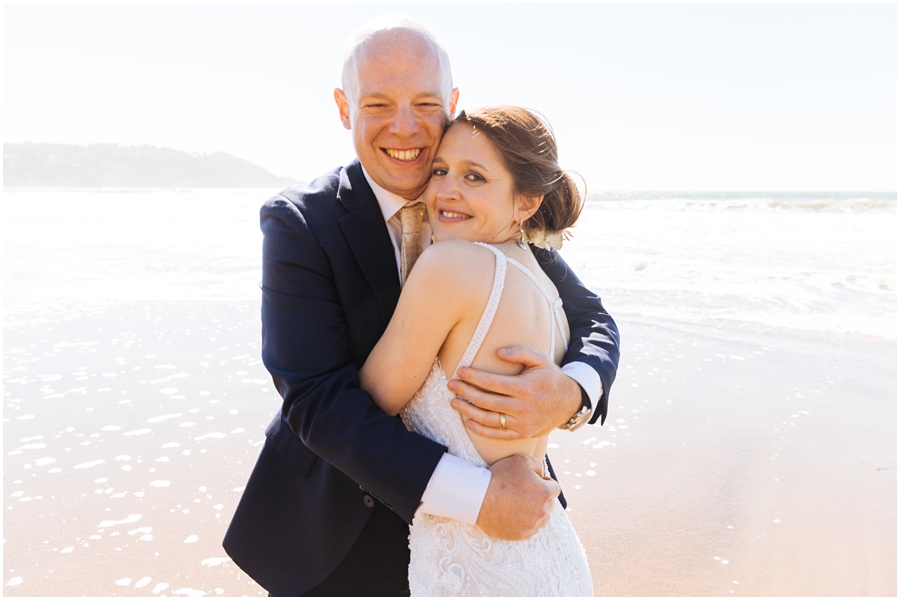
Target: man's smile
{"type": "Point", "coordinates": [404, 155]}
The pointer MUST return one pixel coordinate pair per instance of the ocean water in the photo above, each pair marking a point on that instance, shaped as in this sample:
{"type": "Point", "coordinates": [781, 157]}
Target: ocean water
{"type": "Point", "coordinates": [815, 262]}
{"type": "Point", "coordinates": [811, 261]}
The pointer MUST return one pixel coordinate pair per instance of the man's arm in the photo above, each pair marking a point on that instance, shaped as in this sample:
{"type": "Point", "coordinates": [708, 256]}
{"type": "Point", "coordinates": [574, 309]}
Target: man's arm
{"type": "Point", "coordinates": [306, 348]}
{"type": "Point", "coordinates": [595, 336]}
{"type": "Point", "coordinates": [542, 397]}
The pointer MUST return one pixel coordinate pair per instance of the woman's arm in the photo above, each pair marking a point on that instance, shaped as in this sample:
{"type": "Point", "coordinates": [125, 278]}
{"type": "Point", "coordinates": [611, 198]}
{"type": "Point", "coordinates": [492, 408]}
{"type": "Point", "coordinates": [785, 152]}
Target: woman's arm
{"type": "Point", "coordinates": [439, 291]}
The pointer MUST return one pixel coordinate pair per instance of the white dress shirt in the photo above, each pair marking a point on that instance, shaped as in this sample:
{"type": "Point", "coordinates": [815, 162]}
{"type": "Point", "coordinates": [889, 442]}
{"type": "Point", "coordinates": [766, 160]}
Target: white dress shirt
{"type": "Point", "coordinates": [457, 487]}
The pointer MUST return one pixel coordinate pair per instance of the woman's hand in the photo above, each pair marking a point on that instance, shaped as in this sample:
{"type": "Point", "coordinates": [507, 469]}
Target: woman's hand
{"type": "Point", "coordinates": [512, 407]}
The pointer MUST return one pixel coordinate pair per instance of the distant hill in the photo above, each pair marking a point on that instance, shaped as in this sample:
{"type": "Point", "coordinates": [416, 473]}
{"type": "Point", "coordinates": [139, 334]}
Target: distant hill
{"type": "Point", "coordinates": [111, 165]}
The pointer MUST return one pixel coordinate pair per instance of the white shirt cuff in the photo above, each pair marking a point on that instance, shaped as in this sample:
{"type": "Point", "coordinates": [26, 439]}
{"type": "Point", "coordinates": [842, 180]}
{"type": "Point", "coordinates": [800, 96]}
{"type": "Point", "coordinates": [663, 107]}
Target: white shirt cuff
{"type": "Point", "coordinates": [456, 490]}
{"type": "Point", "coordinates": [587, 378]}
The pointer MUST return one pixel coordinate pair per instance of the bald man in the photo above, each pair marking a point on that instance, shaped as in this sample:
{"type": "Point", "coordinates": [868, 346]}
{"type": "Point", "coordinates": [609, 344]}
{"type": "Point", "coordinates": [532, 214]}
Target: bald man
{"type": "Point", "coordinates": [327, 508]}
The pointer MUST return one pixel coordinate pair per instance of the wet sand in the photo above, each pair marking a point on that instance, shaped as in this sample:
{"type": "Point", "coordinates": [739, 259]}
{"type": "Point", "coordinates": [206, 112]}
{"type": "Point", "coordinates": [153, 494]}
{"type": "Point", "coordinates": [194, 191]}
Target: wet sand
{"type": "Point", "coordinates": [736, 460]}
{"type": "Point", "coordinates": [741, 461]}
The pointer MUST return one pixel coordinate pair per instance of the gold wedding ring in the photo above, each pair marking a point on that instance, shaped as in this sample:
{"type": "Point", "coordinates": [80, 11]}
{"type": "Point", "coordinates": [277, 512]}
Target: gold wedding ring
{"type": "Point", "coordinates": [502, 421]}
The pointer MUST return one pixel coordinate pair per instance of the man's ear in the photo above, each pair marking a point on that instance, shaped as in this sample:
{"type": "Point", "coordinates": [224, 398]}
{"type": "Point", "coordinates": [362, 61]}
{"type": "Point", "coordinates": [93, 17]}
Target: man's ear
{"type": "Point", "coordinates": [528, 205]}
{"type": "Point", "coordinates": [343, 106]}
{"type": "Point", "coordinates": [454, 98]}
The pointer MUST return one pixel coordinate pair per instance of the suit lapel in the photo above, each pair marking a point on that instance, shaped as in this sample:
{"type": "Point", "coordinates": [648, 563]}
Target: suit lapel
{"type": "Point", "coordinates": [368, 238]}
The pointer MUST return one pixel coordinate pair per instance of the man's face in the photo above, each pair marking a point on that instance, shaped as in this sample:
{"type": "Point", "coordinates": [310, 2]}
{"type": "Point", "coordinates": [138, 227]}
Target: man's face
{"type": "Point", "coordinates": [398, 113]}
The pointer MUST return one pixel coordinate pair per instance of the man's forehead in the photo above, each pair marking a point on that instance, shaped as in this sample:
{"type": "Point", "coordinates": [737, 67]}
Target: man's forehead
{"type": "Point", "coordinates": [371, 77]}
{"type": "Point", "coordinates": [382, 71]}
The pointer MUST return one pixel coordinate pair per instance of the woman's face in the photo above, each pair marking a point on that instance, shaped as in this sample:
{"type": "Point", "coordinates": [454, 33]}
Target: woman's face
{"type": "Point", "coordinates": [470, 194]}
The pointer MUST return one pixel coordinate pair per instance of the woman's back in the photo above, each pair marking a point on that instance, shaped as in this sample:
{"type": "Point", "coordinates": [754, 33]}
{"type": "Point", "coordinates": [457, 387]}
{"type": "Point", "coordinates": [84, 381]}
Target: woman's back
{"type": "Point", "coordinates": [524, 317]}
{"type": "Point", "coordinates": [448, 557]}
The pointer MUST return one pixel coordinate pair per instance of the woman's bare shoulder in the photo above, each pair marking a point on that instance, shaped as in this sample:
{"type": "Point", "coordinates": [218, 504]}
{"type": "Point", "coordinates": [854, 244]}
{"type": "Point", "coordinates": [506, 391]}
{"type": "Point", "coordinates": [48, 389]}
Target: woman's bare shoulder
{"type": "Point", "coordinates": [456, 257]}
{"type": "Point", "coordinates": [454, 265]}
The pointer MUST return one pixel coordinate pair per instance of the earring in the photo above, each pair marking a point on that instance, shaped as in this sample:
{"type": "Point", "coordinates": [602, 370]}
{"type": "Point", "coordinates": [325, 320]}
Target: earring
{"type": "Point", "coordinates": [521, 241]}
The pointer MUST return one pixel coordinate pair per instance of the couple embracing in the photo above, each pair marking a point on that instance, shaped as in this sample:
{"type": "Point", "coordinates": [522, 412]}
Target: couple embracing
{"type": "Point", "coordinates": [456, 496]}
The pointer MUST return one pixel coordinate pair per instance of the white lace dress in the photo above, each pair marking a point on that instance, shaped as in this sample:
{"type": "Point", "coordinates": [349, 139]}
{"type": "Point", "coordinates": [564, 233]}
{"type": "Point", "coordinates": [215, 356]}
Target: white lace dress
{"type": "Point", "coordinates": [449, 558]}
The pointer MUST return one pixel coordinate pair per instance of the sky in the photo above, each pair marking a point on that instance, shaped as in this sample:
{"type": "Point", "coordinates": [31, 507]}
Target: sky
{"type": "Point", "coordinates": [743, 97]}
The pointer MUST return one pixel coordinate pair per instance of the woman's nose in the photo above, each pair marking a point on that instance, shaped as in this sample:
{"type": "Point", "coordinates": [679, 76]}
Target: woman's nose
{"type": "Point", "coordinates": [448, 190]}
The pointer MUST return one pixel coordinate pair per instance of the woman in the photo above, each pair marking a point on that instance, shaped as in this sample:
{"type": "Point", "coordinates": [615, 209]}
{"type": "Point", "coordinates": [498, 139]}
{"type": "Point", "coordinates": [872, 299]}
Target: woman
{"type": "Point", "coordinates": [495, 176]}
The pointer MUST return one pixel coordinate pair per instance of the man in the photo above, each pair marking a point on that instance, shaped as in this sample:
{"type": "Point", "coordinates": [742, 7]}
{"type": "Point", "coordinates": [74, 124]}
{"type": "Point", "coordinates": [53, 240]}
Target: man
{"type": "Point", "coordinates": [327, 507]}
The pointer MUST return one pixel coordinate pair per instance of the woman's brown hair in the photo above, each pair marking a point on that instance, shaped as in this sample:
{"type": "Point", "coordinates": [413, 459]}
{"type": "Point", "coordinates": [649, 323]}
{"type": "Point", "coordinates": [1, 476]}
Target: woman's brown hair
{"type": "Point", "coordinates": [528, 149]}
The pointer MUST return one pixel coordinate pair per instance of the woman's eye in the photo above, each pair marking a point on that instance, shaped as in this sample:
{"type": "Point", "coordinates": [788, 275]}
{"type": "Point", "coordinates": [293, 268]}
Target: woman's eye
{"type": "Point", "coordinates": [438, 172]}
{"type": "Point", "coordinates": [474, 177]}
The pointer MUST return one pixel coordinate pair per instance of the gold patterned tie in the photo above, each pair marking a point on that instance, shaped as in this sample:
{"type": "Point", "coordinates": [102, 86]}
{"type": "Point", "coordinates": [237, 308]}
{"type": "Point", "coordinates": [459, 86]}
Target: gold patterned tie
{"type": "Point", "coordinates": [410, 245]}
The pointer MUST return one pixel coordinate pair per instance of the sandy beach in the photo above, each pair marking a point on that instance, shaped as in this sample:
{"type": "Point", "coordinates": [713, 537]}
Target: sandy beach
{"type": "Point", "coordinates": [747, 461]}
{"type": "Point", "coordinates": [736, 460]}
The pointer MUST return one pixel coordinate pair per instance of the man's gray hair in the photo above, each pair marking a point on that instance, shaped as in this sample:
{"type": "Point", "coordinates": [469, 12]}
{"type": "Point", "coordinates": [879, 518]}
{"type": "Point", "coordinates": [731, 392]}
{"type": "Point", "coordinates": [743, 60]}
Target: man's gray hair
{"type": "Point", "coordinates": [360, 38]}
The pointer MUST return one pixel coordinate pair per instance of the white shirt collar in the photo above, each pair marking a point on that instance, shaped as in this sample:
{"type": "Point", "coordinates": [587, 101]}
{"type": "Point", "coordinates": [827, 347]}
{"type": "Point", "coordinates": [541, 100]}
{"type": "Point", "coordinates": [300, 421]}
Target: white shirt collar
{"type": "Point", "coordinates": [388, 202]}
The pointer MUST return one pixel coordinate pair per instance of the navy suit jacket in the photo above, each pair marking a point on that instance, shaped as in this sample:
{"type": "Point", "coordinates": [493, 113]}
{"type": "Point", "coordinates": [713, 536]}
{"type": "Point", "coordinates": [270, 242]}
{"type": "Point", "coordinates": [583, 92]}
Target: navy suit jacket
{"type": "Point", "coordinates": [329, 288]}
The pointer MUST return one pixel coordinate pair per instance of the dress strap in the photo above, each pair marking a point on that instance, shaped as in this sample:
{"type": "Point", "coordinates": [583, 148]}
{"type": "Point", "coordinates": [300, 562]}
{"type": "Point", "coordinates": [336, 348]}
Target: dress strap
{"type": "Point", "coordinates": [487, 317]}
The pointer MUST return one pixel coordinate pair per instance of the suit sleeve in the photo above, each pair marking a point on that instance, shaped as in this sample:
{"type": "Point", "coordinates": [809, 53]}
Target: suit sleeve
{"type": "Point", "coordinates": [595, 337]}
{"type": "Point", "coordinates": [305, 347]}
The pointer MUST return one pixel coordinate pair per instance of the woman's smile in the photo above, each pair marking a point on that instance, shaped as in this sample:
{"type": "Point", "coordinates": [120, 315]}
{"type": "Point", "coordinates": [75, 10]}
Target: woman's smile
{"type": "Point", "coordinates": [447, 216]}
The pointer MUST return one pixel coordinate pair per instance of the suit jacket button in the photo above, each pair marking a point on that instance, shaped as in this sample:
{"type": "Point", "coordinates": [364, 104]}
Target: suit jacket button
{"type": "Point", "coordinates": [368, 501]}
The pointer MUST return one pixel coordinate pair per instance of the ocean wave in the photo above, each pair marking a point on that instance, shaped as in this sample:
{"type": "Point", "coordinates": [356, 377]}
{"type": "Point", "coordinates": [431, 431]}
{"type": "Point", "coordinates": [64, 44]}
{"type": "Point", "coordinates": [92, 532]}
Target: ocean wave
{"type": "Point", "coordinates": [843, 202]}
{"type": "Point", "coordinates": [810, 313]}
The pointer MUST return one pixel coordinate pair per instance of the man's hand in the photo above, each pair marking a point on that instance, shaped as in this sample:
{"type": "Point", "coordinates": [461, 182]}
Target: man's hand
{"type": "Point", "coordinates": [518, 499]}
{"type": "Point", "coordinates": [534, 403]}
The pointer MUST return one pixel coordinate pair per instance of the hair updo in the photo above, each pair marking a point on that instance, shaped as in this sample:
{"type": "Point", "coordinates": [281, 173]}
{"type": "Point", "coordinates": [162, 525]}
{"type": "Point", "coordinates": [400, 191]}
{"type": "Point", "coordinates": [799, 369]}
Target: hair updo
{"type": "Point", "coordinates": [527, 147]}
